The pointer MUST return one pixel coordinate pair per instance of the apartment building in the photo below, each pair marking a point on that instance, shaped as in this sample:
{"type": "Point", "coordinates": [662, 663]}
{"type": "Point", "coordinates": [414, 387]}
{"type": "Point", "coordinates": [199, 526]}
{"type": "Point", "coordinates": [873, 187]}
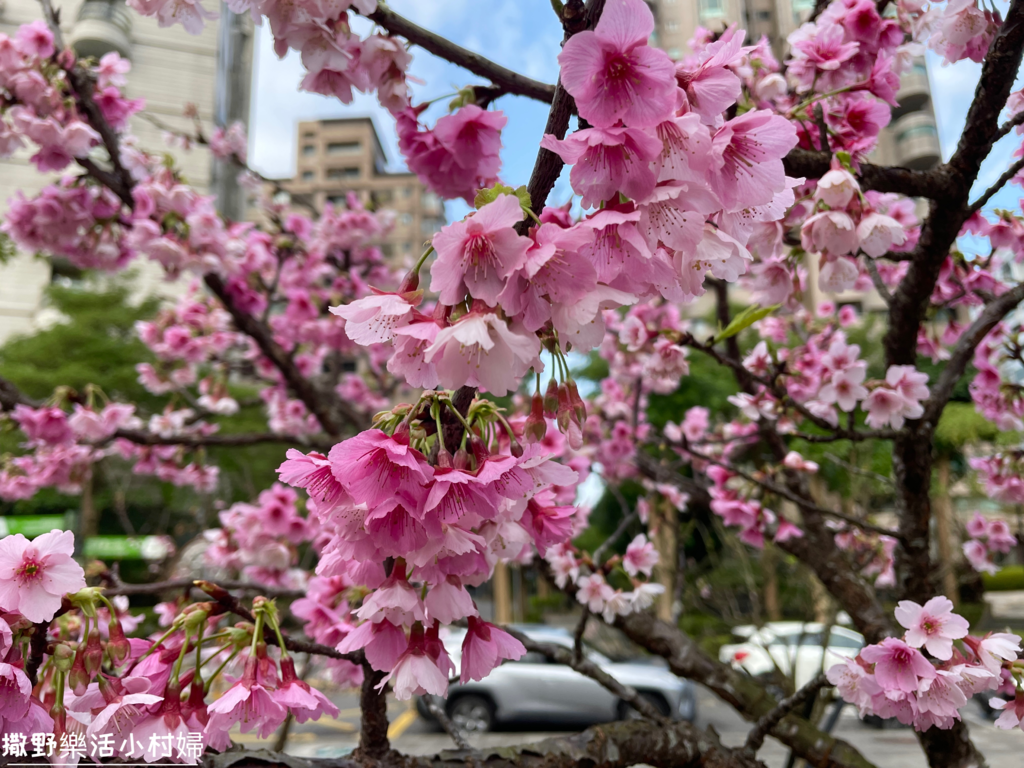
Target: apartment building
{"type": "Point", "coordinates": [911, 140]}
{"type": "Point", "coordinates": [336, 157]}
{"type": "Point", "coordinates": [170, 70]}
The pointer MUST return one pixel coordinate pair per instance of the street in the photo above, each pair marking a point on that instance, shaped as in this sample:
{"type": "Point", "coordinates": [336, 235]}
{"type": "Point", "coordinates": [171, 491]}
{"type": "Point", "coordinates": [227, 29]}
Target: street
{"type": "Point", "coordinates": [889, 748]}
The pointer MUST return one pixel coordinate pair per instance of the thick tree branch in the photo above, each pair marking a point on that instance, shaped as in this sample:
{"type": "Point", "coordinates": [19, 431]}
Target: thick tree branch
{"type": "Point", "coordinates": [141, 437]}
{"type": "Point", "coordinates": [766, 723]}
{"type": "Point", "coordinates": [615, 745]}
{"type": "Point", "coordinates": [156, 587]}
{"type": "Point", "coordinates": [507, 80]}
{"type": "Point", "coordinates": [813, 164]}
{"type": "Point", "coordinates": [330, 411]}
{"type": "Point", "coordinates": [993, 313]}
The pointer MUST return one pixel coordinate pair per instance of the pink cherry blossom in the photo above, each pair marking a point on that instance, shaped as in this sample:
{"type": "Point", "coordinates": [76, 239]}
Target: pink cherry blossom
{"type": "Point", "coordinates": [898, 667]}
{"type": "Point", "coordinates": [481, 350]}
{"type": "Point", "coordinates": [747, 154]}
{"type": "Point", "coordinates": [484, 647]}
{"type": "Point", "coordinates": [475, 255]}
{"type": "Point", "coordinates": [933, 626]}
{"type": "Point", "coordinates": [249, 703]}
{"type": "Point", "coordinates": [373, 319]}
{"type": "Point", "coordinates": [34, 575]}
{"type": "Point", "coordinates": [640, 557]}
{"type": "Point", "coordinates": [614, 75]}
{"type": "Point", "coordinates": [373, 466]}
{"type": "Point", "coordinates": [606, 161]}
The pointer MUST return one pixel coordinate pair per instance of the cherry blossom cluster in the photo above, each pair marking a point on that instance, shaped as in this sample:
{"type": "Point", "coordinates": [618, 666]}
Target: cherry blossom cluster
{"type": "Point", "coordinates": [259, 541]}
{"type": "Point", "coordinates": [987, 537]}
{"type": "Point", "coordinates": [336, 59]}
{"type": "Point", "coordinates": [895, 679]}
{"type": "Point", "coordinates": [597, 583]}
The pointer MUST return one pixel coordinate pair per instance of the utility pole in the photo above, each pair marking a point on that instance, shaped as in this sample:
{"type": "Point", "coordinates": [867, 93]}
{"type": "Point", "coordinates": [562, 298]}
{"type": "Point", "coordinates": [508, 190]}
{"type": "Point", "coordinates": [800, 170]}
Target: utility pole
{"type": "Point", "coordinates": [234, 75]}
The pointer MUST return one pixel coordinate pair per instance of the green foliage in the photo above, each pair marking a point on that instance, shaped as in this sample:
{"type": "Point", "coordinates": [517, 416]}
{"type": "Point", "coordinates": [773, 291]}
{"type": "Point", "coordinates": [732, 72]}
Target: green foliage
{"type": "Point", "coordinates": [93, 343]}
{"type": "Point", "coordinates": [1009, 577]}
{"type": "Point", "coordinates": [961, 425]}
{"type": "Point", "coordinates": [744, 320]}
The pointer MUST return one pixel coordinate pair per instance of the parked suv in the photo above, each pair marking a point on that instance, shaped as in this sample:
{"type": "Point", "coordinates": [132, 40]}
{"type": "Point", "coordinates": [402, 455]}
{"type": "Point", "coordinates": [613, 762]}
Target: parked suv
{"type": "Point", "coordinates": [534, 688]}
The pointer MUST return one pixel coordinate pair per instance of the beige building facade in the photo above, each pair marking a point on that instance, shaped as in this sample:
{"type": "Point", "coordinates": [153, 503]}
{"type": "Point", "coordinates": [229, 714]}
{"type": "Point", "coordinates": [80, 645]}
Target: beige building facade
{"type": "Point", "coordinates": [911, 140]}
{"type": "Point", "coordinates": [170, 70]}
{"type": "Point", "coordinates": [345, 155]}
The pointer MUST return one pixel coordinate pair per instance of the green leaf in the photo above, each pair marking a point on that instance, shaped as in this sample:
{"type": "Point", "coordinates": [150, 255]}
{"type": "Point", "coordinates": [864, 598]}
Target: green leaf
{"type": "Point", "coordinates": [485, 196]}
{"type": "Point", "coordinates": [745, 319]}
{"type": "Point", "coordinates": [466, 95]}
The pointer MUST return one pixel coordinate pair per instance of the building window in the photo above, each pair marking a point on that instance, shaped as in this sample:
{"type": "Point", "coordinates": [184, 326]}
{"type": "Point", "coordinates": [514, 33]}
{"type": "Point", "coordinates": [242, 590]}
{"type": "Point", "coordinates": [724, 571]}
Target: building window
{"type": "Point", "coordinates": [763, 15]}
{"type": "Point", "coordinates": [405, 219]}
{"type": "Point", "coordinates": [381, 196]}
{"type": "Point", "coordinates": [309, 135]}
{"type": "Point", "coordinates": [407, 247]}
{"type": "Point", "coordinates": [309, 149]}
{"type": "Point", "coordinates": [431, 201]}
{"type": "Point", "coordinates": [307, 175]}
{"type": "Point", "coordinates": [671, 26]}
{"type": "Point", "coordinates": [915, 132]}
{"type": "Point", "coordinates": [712, 8]}
{"type": "Point", "coordinates": [335, 174]}
{"type": "Point", "coordinates": [674, 53]}
{"type": "Point", "coordinates": [406, 191]}
{"type": "Point", "coordinates": [343, 147]}
{"type": "Point", "coordinates": [337, 200]}
{"type": "Point", "coordinates": [387, 250]}
{"type": "Point", "coordinates": [802, 10]}
{"type": "Point", "coordinates": [430, 227]}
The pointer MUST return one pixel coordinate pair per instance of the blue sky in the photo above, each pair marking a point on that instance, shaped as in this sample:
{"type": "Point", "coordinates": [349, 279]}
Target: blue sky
{"type": "Point", "coordinates": [523, 35]}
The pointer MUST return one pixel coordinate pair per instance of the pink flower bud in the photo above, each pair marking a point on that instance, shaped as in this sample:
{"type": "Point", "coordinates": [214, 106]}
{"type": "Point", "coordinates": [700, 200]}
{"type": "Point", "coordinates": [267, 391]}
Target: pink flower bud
{"type": "Point", "coordinates": [536, 427]}
{"type": "Point", "coordinates": [117, 646]}
{"type": "Point", "coordinates": [551, 399]}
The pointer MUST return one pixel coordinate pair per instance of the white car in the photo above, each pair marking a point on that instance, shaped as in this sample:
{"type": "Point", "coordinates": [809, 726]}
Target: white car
{"type": "Point", "coordinates": [536, 689]}
{"type": "Point", "coordinates": [799, 651]}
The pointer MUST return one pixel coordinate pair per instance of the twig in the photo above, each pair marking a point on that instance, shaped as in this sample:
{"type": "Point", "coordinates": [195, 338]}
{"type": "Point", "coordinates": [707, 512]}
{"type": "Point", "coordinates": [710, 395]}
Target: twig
{"type": "Point", "coordinates": [857, 470]}
{"type": "Point", "coordinates": [437, 710]}
{"type": "Point", "coordinates": [876, 278]}
{"type": "Point", "coordinates": [507, 80]}
{"type": "Point", "coordinates": [623, 526]}
{"type": "Point", "coordinates": [1010, 172]}
{"type": "Point", "coordinates": [766, 724]}
{"type": "Point", "coordinates": [231, 603]}
{"type": "Point", "coordinates": [156, 587]}
{"type": "Point", "coordinates": [586, 667]}
{"type": "Point", "coordinates": [577, 636]}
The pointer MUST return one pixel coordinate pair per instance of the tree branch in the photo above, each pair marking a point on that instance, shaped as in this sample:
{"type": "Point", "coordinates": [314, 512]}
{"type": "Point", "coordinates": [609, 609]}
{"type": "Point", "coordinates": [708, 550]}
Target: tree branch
{"type": "Point", "coordinates": [993, 313]}
{"type": "Point", "coordinates": [507, 80]}
{"type": "Point", "coordinates": [614, 745]}
{"type": "Point", "coordinates": [766, 723]}
{"type": "Point", "coordinates": [813, 164]}
{"type": "Point", "coordinates": [156, 587]}
{"type": "Point", "coordinates": [1010, 172]}
{"type": "Point", "coordinates": [232, 603]}
{"type": "Point", "coordinates": [584, 666]}
{"type": "Point", "coordinates": [141, 437]}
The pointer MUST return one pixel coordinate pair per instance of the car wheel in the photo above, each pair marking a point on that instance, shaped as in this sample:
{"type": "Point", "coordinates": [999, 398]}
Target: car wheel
{"type": "Point", "coordinates": [627, 712]}
{"type": "Point", "coordinates": [472, 714]}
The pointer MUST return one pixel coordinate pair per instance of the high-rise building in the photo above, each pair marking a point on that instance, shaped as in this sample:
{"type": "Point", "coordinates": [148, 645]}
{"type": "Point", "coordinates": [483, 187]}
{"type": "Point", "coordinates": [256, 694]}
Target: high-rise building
{"type": "Point", "coordinates": [337, 157]}
{"type": "Point", "coordinates": [911, 140]}
{"type": "Point", "coordinates": [170, 70]}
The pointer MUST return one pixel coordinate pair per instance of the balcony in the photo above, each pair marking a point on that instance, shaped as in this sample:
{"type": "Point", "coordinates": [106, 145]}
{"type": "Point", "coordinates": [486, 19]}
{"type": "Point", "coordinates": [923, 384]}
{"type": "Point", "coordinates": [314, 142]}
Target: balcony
{"type": "Point", "coordinates": [917, 141]}
{"type": "Point", "coordinates": [914, 92]}
{"type": "Point", "coordinates": [102, 26]}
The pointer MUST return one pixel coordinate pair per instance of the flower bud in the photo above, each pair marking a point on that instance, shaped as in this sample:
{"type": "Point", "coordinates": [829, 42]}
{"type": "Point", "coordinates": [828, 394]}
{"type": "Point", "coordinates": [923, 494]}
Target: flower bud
{"type": "Point", "coordinates": [78, 678]}
{"type": "Point", "coordinates": [551, 399]}
{"type": "Point", "coordinates": [93, 655]}
{"type": "Point", "coordinates": [462, 459]}
{"type": "Point", "coordinates": [536, 426]}
{"type": "Point", "coordinates": [578, 405]}
{"type": "Point", "coordinates": [118, 646]}
{"type": "Point", "coordinates": [480, 452]}
{"type": "Point", "coordinates": [565, 412]}
{"type": "Point", "coordinates": [63, 657]}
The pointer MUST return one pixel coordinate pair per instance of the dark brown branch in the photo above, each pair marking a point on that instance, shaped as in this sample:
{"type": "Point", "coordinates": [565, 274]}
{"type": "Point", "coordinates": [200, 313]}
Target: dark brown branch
{"type": "Point", "coordinates": [141, 437]}
{"type": "Point", "coordinates": [766, 723]}
{"type": "Point", "coordinates": [586, 667]}
{"type": "Point", "coordinates": [157, 587]}
{"type": "Point", "coordinates": [615, 745]}
{"type": "Point", "coordinates": [436, 706]}
{"type": "Point", "coordinates": [507, 80]}
{"type": "Point", "coordinates": [373, 736]}
{"type": "Point", "coordinates": [11, 397]}
{"type": "Point", "coordinates": [330, 411]}
{"type": "Point", "coordinates": [962, 355]}
{"type": "Point", "coordinates": [1010, 172]}
{"type": "Point", "coordinates": [232, 604]}
{"type": "Point", "coordinates": [813, 165]}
